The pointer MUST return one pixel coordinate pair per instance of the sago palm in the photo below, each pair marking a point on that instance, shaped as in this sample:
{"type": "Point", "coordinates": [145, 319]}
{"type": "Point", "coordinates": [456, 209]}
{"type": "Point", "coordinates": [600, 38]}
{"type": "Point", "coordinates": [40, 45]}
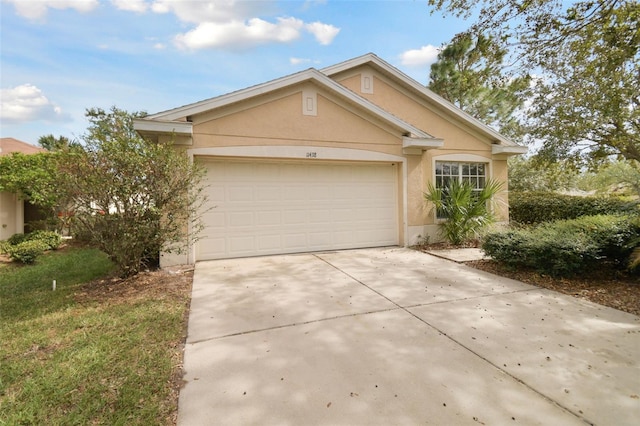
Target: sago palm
{"type": "Point", "coordinates": [466, 210]}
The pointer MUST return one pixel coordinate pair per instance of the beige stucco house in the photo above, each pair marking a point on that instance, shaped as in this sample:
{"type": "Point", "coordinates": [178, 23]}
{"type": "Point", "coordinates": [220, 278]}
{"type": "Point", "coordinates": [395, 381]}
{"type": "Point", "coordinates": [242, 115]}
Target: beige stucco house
{"type": "Point", "coordinates": [12, 207]}
{"type": "Point", "coordinates": [327, 159]}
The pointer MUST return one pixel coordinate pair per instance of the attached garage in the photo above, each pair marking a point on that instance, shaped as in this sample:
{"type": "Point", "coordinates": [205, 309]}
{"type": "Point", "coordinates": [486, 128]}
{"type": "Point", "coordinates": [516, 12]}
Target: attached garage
{"type": "Point", "coordinates": [261, 207]}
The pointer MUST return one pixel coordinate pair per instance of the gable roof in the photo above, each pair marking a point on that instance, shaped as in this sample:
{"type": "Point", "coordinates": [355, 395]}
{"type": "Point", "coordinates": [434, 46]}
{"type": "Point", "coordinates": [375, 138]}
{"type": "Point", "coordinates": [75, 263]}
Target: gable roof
{"type": "Point", "coordinates": [178, 120]}
{"type": "Point", "coordinates": [165, 120]}
{"type": "Point", "coordinates": [389, 70]}
{"type": "Point", "coordinates": [9, 145]}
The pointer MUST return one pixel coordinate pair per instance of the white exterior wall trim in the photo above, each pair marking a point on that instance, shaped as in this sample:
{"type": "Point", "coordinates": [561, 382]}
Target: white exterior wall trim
{"type": "Point", "coordinates": [297, 152]}
{"type": "Point", "coordinates": [471, 158]}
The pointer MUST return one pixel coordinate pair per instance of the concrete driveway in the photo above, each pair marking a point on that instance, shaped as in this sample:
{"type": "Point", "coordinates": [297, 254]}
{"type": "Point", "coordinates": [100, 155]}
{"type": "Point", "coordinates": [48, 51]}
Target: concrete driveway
{"type": "Point", "coordinates": [397, 337]}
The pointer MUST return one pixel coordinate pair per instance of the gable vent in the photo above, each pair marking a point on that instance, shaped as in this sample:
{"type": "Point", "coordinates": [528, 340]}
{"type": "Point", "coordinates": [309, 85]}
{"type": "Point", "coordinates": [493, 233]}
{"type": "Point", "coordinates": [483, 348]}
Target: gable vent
{"type": "Point", "coordinates": [309, 103]}
{"type": "Point", "coordinates": [366, 82]}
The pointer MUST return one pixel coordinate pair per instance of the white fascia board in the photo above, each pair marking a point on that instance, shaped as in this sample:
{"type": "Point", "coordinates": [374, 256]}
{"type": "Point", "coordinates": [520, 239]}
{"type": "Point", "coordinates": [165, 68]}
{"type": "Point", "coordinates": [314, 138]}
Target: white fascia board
{"type": "Point", "coordinates": [237, 96]}
{"type": "Point", "coordinates": [408, 81]}
{"type": "Point", "coordinates": [308, 75]}
{"type": "Point", "coordinates": [421, 143]}
{"type": "Point", "coordinates": [508, 150]}
{"type": "Point", "coordinates": [163, 126]}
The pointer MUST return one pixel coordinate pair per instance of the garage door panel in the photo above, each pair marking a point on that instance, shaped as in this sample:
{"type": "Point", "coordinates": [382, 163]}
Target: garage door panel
{"type": "Point", "coordinates": [294, 217]}
{"type": "Point", "coordinates": [268, 193]}
{"type": "Point", "coordinates": [269, 242]}
{"type": "Point", "coordinates": [268, 218]}
{"type": "Point", "coordinates": [287, 207]}
{"type": "Point", "coordinates": [240, 194]}
{"type": "Point", "coordinates": [295, 241]}
{"type": "Point", "coordinates": [240, 219]}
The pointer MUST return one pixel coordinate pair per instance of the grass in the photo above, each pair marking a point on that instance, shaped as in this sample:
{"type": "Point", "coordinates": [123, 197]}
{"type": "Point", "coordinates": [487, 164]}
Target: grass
{"type": "Point", "coordinates": [85, 354]}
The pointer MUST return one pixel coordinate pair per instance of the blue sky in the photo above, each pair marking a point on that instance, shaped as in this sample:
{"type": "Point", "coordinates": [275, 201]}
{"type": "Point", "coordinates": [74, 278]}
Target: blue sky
{"type": "Point", "coordinates": [60, 57]}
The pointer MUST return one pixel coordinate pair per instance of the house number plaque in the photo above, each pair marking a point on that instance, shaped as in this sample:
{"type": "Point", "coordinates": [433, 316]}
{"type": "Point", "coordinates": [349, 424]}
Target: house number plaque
{"type": "Point", "coordinates": [312, 155]}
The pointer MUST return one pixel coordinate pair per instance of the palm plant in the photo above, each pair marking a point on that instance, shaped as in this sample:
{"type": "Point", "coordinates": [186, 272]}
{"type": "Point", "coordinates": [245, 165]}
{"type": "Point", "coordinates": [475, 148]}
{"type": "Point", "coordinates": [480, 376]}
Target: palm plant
{"type": "Point", "coordinates": [467, 210]}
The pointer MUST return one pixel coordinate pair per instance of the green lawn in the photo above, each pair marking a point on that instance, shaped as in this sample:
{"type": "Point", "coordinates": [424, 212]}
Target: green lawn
{"type": "Point", "coordinates": [69, 358]}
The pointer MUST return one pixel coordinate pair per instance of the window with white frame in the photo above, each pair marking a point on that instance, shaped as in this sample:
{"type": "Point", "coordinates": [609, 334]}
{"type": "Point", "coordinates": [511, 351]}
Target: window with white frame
{"type": "Point", "coordinates": [473, 172]}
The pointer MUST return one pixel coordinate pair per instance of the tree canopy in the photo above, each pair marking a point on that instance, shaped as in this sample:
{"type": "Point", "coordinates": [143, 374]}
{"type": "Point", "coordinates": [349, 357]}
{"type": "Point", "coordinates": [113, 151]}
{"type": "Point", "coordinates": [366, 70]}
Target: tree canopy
{"type": "Point", "coordinates": [470, 73]}
{"type": "Point", "coordinates": [586, 59]}
{"type": "Point", "coordinates": [33, 177]}
{"type": "Point", "coordinates": [51, 143]}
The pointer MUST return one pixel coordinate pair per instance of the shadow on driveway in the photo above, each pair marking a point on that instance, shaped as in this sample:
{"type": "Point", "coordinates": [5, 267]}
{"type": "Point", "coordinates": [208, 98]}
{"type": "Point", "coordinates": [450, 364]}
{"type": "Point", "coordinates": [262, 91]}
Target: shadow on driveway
{"type": "Point", "coordinates": [395, 336]}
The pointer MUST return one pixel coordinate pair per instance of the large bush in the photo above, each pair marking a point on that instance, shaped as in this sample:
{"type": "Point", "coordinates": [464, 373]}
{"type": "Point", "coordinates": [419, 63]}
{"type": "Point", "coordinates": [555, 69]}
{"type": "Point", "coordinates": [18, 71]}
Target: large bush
{"type": "Point", "coordinates": [537, 207]}
{"type": "Point", "coordinates": [131, 197]}
{"type": "Point", "coordinates": [566, 247]}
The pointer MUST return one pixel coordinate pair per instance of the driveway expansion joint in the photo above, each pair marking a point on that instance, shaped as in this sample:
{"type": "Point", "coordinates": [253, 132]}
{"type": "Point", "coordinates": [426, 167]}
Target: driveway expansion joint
{"type": "Point", "coordinates": [295, 324]}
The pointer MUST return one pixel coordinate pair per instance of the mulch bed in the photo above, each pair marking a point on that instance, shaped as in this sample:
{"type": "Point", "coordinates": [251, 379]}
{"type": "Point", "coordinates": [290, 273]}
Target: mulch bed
{"type": "Point", "coordinates": [607, 286]}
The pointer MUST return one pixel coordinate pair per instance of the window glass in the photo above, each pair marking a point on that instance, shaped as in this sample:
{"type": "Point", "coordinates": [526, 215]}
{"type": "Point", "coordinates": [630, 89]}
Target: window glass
{"type": "Point", "coordinates": [473, 173]}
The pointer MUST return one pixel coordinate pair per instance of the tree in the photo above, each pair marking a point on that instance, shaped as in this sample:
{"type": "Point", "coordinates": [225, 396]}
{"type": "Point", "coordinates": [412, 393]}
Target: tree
{"type": "Point", "coordinates": [33, 177]}
{"type": "Point", "coordinates": [132, 198]}
{"type": "Point", "coordinates": [51, 143]}
{"type": "Point", "coordinates": [470, 73]}
{"type": "Point", "coordinates": [620, 177]}
{"type": "Point", "coordinates": [530, 174]}
{"type": "Point", "coordinates": [586, 55]}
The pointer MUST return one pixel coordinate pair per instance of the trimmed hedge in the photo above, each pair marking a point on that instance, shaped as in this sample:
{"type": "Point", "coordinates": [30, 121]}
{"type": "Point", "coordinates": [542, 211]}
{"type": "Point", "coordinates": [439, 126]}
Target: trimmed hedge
{"type": "Point", "coordinates": [531, 208]}
{"type": "Point", "coordinates": [50, 238]}
{"type": "Point", "coordinates": [566, 247]}
{"type": "Point", "coordinates": [26, 248]}
{"type": "Point", "coordinates": [27, 251]}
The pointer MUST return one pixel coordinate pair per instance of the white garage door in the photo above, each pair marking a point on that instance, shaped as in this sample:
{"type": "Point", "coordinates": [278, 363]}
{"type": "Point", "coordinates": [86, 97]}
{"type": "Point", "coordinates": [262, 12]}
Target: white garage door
{"type": "Point", "coordinates": [268, 207]}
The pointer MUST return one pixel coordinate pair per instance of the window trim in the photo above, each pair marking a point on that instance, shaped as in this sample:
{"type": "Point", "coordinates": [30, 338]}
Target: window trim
{"type": "Point", "coordinates": [459, 158]}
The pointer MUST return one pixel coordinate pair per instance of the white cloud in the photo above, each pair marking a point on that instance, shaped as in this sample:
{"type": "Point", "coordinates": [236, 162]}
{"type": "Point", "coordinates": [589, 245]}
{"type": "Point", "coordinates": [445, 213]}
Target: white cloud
{"type": "Point", "coordinates": [426, 55]}
{"type": "Point", "coordinates": [324, 33]}
{"type": "Point", "coordinates": [230, 24]}
{"type": "Point", "coordinates": [220, 11]}
{"type": "Point", "coordinates": [239, 34]}
{"type": "Point", "coordinates": [26, 103]}
{"type": "Point", "coordinates": [298, 61]}
{"type": "Point", "coordinates": [38, 9]}
{"type": "Point", "coordinates": [138, 6]}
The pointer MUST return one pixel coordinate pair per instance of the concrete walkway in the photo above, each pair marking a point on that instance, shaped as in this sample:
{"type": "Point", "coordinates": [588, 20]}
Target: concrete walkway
{"type": "Point", "coordinates": [395, 336]}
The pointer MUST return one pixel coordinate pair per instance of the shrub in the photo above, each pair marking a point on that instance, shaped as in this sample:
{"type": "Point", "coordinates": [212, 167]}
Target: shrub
{"type": "Point", "coordinates": [466, 210]}
{"type": "Point", "coordinates": [16, 239]}
{"type": "Point", "coordinates": [537, 207]}
{"type": "Point", "coordinates": [50, 238]}
{"type": "Point", "coordinates": [567, 247]}
{"type": "Point", "coordinates": [4, 247]}
{"type": "Point", "coordinates": [27, 251]}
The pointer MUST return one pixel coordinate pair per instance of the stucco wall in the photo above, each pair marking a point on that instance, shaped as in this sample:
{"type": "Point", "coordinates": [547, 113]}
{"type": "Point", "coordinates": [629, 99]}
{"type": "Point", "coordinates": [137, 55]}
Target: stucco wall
{"type": "Point", "coordinates": [11, 221]}
{"type": "Point", "coordinates": [419, 113]}
{"type": "Point", "coordinates": [278, 120]}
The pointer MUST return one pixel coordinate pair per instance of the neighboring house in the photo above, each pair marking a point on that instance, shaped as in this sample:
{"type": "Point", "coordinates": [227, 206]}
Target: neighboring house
{"type": "Point", "coordinates": [13, 210]}
{"type": "Point", "coordinates": [327, 159]}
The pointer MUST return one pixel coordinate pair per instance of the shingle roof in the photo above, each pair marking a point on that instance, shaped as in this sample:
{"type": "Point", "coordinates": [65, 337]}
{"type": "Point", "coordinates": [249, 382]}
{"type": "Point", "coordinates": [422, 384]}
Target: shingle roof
{"type": "Point", "coordinates": [9, 145]}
